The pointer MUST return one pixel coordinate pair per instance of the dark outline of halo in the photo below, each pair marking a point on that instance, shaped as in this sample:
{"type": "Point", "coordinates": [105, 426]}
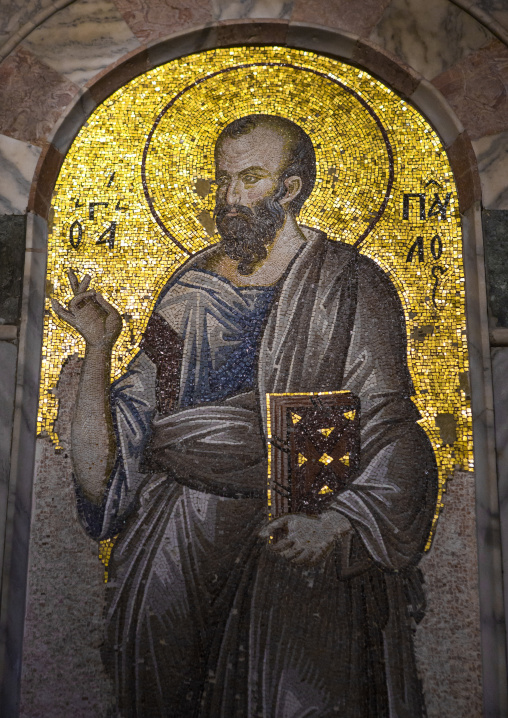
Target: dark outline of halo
{"type": "Point", "coordinates": [360, 99]}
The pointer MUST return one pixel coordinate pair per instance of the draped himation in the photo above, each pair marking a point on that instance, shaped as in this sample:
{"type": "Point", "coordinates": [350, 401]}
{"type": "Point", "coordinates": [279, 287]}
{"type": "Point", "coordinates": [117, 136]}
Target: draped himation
{"type": "Point", "coordinates": [203, 619]}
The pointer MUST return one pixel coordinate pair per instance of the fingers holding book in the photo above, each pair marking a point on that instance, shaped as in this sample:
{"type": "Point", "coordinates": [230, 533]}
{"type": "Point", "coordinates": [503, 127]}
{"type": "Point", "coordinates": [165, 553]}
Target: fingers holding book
{"type": "Point", "coordinates": [306, 539]}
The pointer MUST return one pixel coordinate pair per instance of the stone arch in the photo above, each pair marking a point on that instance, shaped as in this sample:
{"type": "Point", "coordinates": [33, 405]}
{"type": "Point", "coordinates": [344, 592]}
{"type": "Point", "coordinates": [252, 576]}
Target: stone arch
{"type": "Point", "coordinates": [431, 104]}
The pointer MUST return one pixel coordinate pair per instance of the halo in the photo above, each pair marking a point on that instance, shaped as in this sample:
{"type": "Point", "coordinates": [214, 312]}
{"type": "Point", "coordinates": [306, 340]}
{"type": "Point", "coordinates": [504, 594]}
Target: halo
{"type": "Point", "coordinates": [355, 172]}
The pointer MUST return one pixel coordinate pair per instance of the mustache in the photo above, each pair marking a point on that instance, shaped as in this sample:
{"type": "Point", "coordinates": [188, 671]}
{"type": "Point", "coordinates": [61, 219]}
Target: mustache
{"type": "Point", "coordinates": [268, 213]}
{"type": "Point", "coordinates": [233, 211]}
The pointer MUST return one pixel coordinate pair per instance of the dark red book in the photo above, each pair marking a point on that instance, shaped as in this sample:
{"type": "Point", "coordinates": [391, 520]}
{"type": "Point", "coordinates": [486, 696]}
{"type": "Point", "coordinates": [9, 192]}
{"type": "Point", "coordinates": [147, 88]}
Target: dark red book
{"type": "Point", "coordinates": [314, 449]}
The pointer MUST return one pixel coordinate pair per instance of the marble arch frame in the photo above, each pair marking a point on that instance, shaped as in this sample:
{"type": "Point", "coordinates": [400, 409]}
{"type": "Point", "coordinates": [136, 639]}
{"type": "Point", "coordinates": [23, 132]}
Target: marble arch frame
{"type": "Point", "coordinates": [431, 104]}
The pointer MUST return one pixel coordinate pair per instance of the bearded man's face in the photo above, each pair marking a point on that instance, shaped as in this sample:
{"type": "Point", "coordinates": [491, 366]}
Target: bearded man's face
{"type": "Point", "coordinates": [248, 212]}
{"type": "Point", "coordinates": [245, 232]}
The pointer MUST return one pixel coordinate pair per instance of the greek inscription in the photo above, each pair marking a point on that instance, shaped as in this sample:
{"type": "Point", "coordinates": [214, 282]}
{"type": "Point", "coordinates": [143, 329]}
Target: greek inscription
{"type": "Point", "coordinates": [108, 236]}
{"type": "Point", "coordinates": [438, 207]}
{"type": "Point", "coordinates": [420, 196]}
{"type": "Point", "coordinates": [436, 270]}
{"type": "Point", "coordinates": [75, 234]}
{"type": "Point", "coordinates": [417, 247]}
{"type": "Point", "coordinates": [436, 246]}
{"type": "Point", "coordinates": [92, 206]}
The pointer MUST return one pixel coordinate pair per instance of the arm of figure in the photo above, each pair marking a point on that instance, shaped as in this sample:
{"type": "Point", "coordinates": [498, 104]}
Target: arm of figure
{"type": "Point", "coordinates": [391, 502]}
{"type": "Point", "coordinates": [93, 440]}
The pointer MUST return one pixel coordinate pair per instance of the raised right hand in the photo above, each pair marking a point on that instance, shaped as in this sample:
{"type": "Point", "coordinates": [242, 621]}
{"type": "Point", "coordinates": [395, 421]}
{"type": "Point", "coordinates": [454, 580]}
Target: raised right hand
{"type": "Point", "coordinates": [98, 321]}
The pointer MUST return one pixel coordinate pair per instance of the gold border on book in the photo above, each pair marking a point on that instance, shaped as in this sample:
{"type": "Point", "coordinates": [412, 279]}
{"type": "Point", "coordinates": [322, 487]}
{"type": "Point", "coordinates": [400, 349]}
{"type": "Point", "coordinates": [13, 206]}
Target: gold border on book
{"type": "Point", "coordinates": [269, 431]}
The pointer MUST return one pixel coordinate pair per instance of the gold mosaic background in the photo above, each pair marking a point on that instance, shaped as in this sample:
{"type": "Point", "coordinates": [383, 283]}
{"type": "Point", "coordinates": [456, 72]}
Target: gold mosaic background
{"type": "Point", "coordinates": [104, 165]}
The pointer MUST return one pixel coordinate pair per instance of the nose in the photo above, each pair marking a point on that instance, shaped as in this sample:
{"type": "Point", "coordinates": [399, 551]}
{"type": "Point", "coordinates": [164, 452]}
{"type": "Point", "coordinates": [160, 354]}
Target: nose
{"type": "Point", "coordinates": [232, 192]}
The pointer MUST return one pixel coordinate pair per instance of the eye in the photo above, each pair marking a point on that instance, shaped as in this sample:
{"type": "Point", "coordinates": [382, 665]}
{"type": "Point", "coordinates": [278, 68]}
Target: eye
{"type": "Point", "coordinates": [221, 181]}
{"type": "Point", "coordinates": [251, 179]}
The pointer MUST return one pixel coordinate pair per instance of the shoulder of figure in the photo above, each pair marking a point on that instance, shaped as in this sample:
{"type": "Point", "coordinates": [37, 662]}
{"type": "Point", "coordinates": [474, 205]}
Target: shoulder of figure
{"type": "Point", "coordinates": [329, 248]}
{"type": "Point", "coordinates": [377, 293]}
{"type": "Point", "coordinates": [371, 273]}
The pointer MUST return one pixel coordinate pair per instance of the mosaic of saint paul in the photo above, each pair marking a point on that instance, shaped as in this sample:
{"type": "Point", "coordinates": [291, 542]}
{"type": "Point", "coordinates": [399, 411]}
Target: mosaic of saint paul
{"type": "Point", "coordinates": [205, 617]}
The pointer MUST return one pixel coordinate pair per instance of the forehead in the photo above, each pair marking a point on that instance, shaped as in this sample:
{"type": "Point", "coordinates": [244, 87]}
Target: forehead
{"type": "Point", "coordinates": [264, 146]}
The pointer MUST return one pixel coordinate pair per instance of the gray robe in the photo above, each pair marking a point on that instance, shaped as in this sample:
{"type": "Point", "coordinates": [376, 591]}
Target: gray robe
{"type": "Point", "coordinates": [203, 619]}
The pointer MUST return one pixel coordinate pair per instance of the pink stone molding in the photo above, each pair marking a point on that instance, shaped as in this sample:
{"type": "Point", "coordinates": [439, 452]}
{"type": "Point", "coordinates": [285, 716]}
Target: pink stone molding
{"type": "Point", "coordinates": [34, 96]}
{"type": "Point", "coordinates": [46, 174]}
{"type": "Point", "coordinates": [359, 17]}
{"type": "Point", "coordinates": [477, 89]}
{"type": "Point", "coordinates": [151, 20]}
{"type": "Point", "coordinates": [361, 52]}
{"type": "Point", "coordinates": [465, 170]}
{"type": "Point", "coordinates": [115, 76]}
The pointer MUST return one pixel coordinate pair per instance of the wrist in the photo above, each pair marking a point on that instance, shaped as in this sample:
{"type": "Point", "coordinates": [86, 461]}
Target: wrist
{"type": "Point", "coordinates": [336, 522]}
{"type": "Point", "coordinates": [98, 351]}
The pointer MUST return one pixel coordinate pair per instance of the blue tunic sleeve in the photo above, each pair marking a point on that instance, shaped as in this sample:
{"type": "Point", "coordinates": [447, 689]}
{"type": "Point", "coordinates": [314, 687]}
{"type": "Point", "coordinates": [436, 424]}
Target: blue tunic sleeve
{"type": "Point", "coordinates": [219, 327]}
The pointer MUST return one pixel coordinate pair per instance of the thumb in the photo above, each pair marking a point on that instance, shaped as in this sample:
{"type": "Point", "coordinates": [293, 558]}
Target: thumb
{"type": "Point", "coordinates": [279, 523]}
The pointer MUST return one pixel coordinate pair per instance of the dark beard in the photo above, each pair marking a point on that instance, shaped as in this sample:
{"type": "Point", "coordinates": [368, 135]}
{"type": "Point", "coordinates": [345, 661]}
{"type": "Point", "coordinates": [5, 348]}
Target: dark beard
{"type": "Point", "coordinates": [245, 235]}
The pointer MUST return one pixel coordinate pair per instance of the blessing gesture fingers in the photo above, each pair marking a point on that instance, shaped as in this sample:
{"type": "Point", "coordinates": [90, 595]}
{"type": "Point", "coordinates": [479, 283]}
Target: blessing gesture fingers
{"type": "Point", "coordinates": [98, 321]}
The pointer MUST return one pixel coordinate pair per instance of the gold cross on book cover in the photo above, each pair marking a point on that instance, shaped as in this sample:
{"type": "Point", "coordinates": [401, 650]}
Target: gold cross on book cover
{"type": "Point", "coordinates": [314, 449]}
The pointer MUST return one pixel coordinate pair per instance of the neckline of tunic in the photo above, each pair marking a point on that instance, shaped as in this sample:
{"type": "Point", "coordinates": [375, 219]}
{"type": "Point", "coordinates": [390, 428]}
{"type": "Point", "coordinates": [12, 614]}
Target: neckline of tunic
{"type": "Point", "coordinates": [261, 287]}
{"type": "Point", "coordinates": [235, 287]}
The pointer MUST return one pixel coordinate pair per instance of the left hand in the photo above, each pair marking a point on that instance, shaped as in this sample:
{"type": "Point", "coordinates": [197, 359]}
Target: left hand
{"type": "Point", "coordinates": [308, 539]}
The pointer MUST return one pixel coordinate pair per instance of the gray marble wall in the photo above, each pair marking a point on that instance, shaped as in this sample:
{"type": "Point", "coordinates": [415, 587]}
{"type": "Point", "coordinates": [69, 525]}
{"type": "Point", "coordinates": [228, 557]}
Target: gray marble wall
{"type": "Point", "coordinates": [500, 374]}
{"type": "Point", "coordinates": [12, 254]}
{"type": "Point", "coordinates": [495, 234]}
{"type": "Point", "coordinates": [20, 411]}
{"type": "Point", "coordinates": [8, 357]}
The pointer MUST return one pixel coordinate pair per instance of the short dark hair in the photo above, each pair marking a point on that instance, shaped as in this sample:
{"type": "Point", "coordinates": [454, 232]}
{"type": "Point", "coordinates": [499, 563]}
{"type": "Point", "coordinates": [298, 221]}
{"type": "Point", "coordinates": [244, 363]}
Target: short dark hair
{"type": "Point", "coordinates": [302, 160]}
